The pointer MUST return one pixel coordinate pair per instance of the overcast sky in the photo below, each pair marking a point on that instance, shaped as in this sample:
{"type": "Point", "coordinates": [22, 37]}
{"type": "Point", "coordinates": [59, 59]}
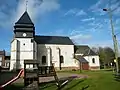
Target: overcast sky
{"type": "Point", "coordinates": [82, 20]}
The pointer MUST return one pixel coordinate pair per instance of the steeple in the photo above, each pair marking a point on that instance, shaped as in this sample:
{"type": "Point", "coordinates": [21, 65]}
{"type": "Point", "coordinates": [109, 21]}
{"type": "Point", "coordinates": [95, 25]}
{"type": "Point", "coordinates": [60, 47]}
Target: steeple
{"type": "Point", "coordinates": [24, 19]}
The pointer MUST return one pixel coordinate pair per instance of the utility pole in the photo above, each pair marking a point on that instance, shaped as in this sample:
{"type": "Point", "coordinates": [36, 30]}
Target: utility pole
{"type": "Point", "coordinates": [114, 40]}
{"type": "Point", "coordinates": [116, 56]}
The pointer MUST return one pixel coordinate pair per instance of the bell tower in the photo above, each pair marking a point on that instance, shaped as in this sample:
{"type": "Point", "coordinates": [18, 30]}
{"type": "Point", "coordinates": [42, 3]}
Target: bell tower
{"type": "Point", "coordinates": [24, 28]}
{"type": "Point", "coordinates": [23, 45]}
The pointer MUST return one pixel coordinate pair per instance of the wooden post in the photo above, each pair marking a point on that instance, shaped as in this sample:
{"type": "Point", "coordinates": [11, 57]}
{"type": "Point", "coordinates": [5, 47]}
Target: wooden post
{"type": "Point", "coordinates": [80, 65]}
{"type": "Point", "coordinates": [24, 74]}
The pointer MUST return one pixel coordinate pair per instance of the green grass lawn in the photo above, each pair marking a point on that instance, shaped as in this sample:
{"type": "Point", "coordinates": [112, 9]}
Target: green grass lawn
{"type": "Point", "coordinates": [98, 80]}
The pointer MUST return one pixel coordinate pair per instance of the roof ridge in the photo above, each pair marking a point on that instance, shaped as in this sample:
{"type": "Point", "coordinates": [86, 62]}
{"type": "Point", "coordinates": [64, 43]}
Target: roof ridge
{"type": "Point", "coordinates": [93, 51]}
{"type": "Point", "coordinates": [51, 36]}
{"type": "Point", "coordinates": [82, 45]}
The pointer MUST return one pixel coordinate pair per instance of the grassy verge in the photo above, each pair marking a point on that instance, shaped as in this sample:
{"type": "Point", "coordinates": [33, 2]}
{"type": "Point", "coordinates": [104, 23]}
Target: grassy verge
{"type": "Point", "coordinates": [98, 80]}
{"type": "Point", "coordinates": [17, 86]}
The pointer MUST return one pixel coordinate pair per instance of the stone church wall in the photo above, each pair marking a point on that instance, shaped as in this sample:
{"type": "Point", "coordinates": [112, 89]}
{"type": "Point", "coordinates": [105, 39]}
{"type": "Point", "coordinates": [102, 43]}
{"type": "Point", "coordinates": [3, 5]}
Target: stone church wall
{"type": "Point", "coordinates": [67, 51]}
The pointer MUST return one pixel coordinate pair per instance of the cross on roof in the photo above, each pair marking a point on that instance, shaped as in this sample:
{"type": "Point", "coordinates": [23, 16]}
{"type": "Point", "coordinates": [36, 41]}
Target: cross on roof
{"type": "Point", "coordinates": [26, 4]}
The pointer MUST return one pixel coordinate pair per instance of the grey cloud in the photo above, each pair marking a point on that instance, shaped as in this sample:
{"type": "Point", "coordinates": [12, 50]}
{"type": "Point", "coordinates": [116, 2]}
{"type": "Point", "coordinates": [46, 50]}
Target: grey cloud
{"type": "Point", "coordinates": [11, 10]}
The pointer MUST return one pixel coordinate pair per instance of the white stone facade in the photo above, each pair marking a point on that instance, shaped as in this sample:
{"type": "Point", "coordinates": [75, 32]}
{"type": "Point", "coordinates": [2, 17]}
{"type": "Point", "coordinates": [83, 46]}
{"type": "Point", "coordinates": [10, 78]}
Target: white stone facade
{"type": "Point", "coordinates": [21, 49]}
{"type": "Point", "coordinates": [93, 64]}
{"type": "Point", "coordinates": [53, 53]}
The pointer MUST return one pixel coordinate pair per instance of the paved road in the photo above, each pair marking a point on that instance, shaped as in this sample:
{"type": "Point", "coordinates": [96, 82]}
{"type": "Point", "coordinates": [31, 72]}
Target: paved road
{"type": "Point", "coordinates": [6, 76]}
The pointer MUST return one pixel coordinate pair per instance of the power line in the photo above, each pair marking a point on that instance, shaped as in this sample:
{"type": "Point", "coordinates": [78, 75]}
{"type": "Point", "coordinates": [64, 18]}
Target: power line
{"type": "Point", "coordinates": [110, 4]}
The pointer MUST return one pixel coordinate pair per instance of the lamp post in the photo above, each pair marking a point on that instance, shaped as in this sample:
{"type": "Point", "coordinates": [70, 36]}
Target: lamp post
{"type": "Point", "coordinates": [114, 39]}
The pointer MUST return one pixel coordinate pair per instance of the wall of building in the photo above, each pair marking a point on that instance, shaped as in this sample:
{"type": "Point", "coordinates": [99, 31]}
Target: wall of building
{"type": "Point", "coordinates": [13, 54]}
{"type": "Point", "coordinates": [21, 49]}
{"type": "Point", "coordinates": [67, 51]}
{"type": "Point", "coordinates": [92, 65]}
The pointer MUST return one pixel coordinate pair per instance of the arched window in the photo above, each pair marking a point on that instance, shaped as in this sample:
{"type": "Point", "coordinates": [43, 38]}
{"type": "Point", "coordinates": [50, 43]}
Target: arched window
{"type": "Point", "coordinates": [43, 59]}
{"type": "Point", "coordinates": [61, 59]}
{"type": "Point", "coordinates": [93, 60]}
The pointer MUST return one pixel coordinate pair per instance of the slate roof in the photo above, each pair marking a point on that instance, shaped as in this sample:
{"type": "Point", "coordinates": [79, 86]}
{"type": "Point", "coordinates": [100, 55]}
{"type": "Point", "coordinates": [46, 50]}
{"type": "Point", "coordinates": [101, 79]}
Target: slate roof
{"type": "Point", "coordinates": [53, 40]}
{"type": "Point", "coordinates": [81, 59]}
{"type": "Point", "coordinates": [85, 50]}
{"type": "Point", "coordinates": [24, 19]}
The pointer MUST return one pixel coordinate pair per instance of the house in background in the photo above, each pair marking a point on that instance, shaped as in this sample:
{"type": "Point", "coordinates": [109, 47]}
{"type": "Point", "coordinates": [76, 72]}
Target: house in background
{"type": "Point", "coordinates": [86, 58]}
{"type": "Point", "coordinates": [2, 58]}
{"type": "Point", "coordinates": [7, 62]}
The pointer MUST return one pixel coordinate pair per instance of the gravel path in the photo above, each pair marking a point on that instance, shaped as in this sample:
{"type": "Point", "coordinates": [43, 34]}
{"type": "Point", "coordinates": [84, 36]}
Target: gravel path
{"type": "Point", "coordinates": [60, 76]}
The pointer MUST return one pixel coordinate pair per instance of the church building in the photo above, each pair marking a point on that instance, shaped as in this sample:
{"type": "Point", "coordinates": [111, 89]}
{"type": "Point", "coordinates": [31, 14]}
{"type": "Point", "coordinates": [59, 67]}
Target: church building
{"type": "Point", "coordinates": [58, 50]}
{"type": "Point", "coordinates": [48, 50]}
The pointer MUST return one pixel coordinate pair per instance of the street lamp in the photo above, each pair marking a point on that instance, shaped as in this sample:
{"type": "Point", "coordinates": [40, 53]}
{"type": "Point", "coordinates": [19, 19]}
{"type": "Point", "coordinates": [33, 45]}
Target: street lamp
{"type": "Point", "coordinates": [114, 39]}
